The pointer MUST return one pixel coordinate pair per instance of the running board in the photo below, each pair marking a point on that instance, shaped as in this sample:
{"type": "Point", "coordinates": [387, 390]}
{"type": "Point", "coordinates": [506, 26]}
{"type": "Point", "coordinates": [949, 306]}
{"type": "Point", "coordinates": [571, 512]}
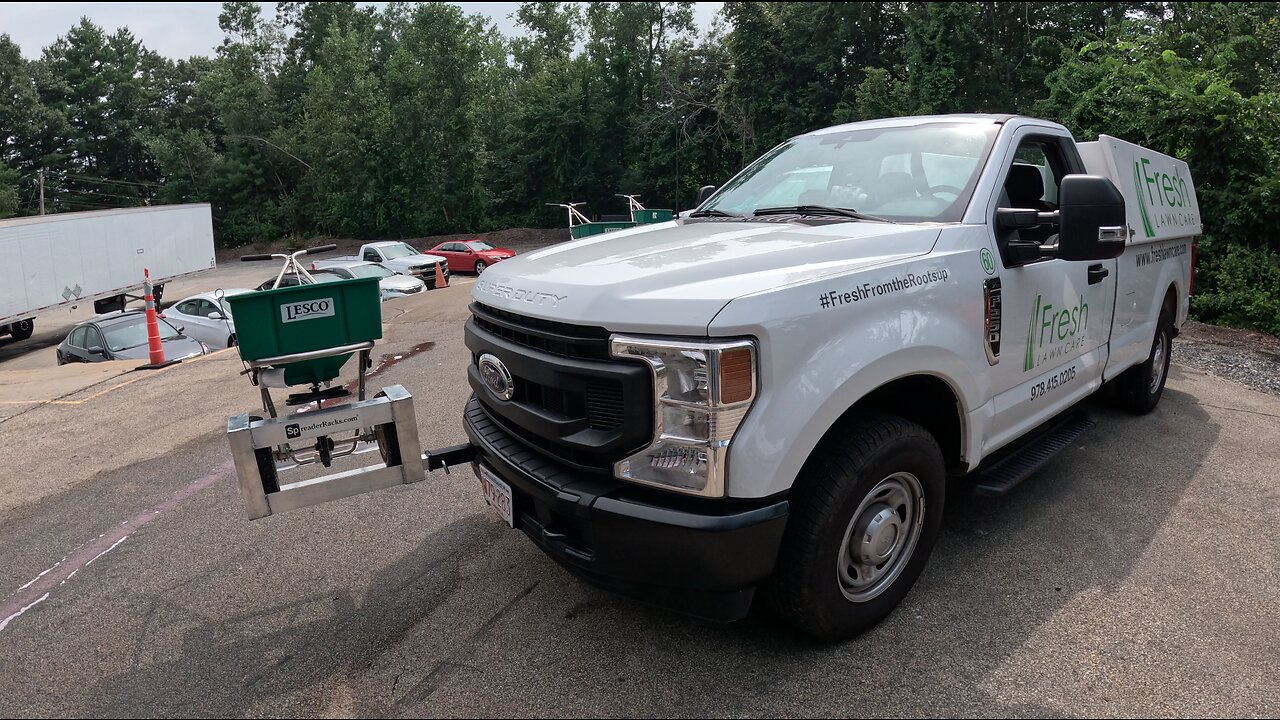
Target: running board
{"type": "Point", "coordinates": [1004, 474]}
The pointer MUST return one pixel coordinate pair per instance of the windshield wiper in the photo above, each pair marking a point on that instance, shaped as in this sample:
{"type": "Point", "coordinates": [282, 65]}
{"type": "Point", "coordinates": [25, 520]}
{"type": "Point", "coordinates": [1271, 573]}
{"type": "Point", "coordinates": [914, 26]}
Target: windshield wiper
{"type": "Point", "coordinates": [820, 210]}
{"type": "Point", "coordinates": [711, 213]}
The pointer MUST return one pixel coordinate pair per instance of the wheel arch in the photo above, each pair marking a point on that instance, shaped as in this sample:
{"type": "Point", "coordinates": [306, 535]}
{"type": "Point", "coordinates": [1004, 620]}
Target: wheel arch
{"type": "Point", "coordinates": [926, 399]}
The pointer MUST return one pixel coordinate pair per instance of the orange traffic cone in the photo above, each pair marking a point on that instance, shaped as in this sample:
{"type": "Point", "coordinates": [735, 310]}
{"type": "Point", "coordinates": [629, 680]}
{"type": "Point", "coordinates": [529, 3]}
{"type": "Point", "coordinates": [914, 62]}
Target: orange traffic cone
{"type": "Point", "coordinates": [440, 281]}
{"type": "Point", "coordinates": [155, 350]}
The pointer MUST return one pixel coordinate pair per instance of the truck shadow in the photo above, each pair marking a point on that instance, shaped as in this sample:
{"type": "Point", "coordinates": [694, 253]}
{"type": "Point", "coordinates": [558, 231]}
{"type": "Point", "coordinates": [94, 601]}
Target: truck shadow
{"type": "Point", "coordinates": [475, 621]}
{"type": "Point", "coordinates": [236, 666]}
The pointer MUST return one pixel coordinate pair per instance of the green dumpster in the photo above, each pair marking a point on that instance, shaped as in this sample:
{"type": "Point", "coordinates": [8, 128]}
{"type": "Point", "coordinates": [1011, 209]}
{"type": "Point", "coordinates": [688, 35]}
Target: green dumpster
{"type": "Point", "coordinates": [307, 318]}
{"type": "Point", "coordinates": [595, 228]}
{"type": "Point", "coordinates": [646, 216]}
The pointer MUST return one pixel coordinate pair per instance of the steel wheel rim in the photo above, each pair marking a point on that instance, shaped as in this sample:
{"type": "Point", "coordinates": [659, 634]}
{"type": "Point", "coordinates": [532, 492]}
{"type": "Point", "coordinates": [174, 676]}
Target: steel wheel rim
{"type": "Point", "coordinates": [1157, 362]}
{"type": "Point", "coordinates": [881, 537]}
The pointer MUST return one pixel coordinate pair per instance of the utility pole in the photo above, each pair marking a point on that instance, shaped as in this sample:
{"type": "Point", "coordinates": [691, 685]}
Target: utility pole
{"type": "Point", "coordinates": [41, 191]}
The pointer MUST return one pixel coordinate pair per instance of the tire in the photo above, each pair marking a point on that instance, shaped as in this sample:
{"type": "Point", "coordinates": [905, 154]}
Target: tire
{"type": "Point", "coordinates": [22, 329]}
{"type": "Point", "coordinates": [881, 471]}
{"type": "Point", "coordinates": [231, 340]}
{"type": "Point", "coordinates": [1139, 388]}
{"type": "Point", "coordinates": [480, 266]}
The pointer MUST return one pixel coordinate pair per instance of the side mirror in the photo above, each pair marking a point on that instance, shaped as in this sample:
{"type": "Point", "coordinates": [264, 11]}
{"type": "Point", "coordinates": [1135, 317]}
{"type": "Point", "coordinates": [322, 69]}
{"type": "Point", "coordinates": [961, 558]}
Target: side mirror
{"type": "Point", "coordinates": [97, 350]}
{"type": "Point", "coordinates": [1008, 222]}
{"type": "Point", "coordinates": [215, 315]}
{"type": "Point", "coordinates": [705, 192]}
{"type": "Point", "coordinates": [1091, 219]}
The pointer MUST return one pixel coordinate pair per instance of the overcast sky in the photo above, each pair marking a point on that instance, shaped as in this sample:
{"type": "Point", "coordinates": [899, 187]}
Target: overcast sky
{"type": "Point", "coordinates": [179, 30]}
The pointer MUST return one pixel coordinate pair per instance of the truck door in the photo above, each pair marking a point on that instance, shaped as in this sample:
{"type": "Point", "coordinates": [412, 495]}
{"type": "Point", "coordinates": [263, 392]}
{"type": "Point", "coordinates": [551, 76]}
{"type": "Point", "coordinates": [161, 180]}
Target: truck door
{"type": "Point", "coordinates": [1056, 313]}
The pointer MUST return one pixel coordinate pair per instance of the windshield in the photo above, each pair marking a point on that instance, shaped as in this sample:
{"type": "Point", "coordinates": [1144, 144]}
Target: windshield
{"type": "Point", "coordinates": [399, 250]}
{"type": "Point", "coordinates": [479, 246]}
{"type": "Point", "coordinates": [131, 334]}
{"type": "Point", "coordinates": [921, 173]}
{"type": "Point", "coordinates": [368, 271]}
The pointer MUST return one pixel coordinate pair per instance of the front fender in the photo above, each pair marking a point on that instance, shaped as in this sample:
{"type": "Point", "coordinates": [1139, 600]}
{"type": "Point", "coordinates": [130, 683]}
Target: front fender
{"type": "Point", "coordinates": [816, 364]}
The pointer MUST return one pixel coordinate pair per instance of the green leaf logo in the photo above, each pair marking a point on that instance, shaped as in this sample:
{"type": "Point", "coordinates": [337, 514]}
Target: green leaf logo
{"type": "Point", "coordinates": [1142, 201]}
{"type": "Point", "coordinates": [1029, 362]}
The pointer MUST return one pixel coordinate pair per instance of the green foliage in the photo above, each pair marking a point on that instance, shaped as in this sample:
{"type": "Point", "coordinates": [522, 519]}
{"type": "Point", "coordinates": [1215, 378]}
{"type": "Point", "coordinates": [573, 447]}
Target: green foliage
{"type": "Point", "coordinates": [8, 192]}
{"type": "Point", "coordinates": [1240, 288]}
{"type": "Point", "coordinates": [416, 119]}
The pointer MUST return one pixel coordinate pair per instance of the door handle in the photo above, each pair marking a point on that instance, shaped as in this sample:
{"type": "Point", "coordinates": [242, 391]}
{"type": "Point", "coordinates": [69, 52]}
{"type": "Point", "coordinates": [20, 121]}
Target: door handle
{"type": "Point", "coordinates": [1096, 273]}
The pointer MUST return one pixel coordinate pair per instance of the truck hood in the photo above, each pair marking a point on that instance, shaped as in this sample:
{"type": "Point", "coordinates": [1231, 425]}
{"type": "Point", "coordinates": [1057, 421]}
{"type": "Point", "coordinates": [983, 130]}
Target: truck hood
{"type": "Point", "coordinates": [674, 277]}
{"type": "Point", "coordinates": [400, 283]}
{"type": "Point", "coordinates": [415, 260]}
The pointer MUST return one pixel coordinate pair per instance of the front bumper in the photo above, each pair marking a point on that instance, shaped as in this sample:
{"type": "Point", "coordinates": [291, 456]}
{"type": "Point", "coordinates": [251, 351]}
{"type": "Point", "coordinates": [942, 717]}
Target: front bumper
{"type": "Point", "coordinates": [700, 557]}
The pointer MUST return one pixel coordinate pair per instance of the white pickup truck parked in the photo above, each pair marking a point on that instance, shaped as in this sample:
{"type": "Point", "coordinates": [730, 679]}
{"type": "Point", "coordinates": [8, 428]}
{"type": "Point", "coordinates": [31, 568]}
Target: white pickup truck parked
{"type": "Point", "coordinates": [400, 257]}
{"type": "Point", "coordinates": [779, 390]}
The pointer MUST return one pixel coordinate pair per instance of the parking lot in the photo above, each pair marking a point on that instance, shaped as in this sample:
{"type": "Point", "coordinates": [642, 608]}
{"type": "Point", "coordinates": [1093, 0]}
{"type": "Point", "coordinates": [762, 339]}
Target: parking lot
{"type": "Point", "coordinates": [1136, 575]}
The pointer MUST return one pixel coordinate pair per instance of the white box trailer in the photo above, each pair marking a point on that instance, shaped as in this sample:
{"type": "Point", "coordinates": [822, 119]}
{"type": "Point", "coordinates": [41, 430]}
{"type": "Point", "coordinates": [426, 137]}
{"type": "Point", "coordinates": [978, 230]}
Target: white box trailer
{"type": "Point", "coordinates": [49, 261]}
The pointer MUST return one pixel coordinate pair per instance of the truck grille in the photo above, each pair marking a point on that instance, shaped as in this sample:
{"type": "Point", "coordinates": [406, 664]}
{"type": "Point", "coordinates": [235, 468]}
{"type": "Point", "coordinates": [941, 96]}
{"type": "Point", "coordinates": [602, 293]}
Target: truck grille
{"type": "Point", "coordinates": [571, 401]}
{"type": "Point", "coordinates": [557, 338]}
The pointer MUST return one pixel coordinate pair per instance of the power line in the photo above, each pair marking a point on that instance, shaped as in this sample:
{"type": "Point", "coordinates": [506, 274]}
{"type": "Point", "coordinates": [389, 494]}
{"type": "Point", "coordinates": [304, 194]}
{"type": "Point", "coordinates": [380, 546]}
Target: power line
{"type": "Point", "coordinates": [103, 194]}
{"type": "Point", "coordinates": [88, 179]}
{"type": "Point", "coordinates": [85, 204]}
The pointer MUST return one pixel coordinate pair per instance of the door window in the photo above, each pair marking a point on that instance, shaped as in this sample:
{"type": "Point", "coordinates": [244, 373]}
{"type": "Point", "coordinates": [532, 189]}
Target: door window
{"type": "Point", "coordinates": [92, 337]}
{"type": "Point", "coordinates": [78, 335]}
{"type": "Point", "coordinates": [188, 307]}
{"type": "Point", "coordinates": [1032, 182]}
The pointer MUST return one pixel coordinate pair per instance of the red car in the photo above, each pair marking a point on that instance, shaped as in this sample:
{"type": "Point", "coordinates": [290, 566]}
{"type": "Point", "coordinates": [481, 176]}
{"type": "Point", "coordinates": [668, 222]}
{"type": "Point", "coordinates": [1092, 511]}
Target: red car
{"type": "Point", "coordinates": [470, 255]}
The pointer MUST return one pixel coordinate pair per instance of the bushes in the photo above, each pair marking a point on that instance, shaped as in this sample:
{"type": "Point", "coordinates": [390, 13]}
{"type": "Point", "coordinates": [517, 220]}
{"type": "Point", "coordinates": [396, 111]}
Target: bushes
{"type": "Point", "coordinates": [1239, 287]}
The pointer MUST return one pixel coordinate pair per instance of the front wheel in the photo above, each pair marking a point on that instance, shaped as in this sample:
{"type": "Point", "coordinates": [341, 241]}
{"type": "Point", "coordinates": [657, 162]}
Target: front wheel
{"type": "Point", "coordinates": [22, 329]}
{"type": "Point", "coordinates": [231, 340]}
{"type": "Point", "coordinates": [861, 529]}
{"type": "Point", "coordinates": [480, 266]}
{"type": "Point", "coordinates": [1140, 387]}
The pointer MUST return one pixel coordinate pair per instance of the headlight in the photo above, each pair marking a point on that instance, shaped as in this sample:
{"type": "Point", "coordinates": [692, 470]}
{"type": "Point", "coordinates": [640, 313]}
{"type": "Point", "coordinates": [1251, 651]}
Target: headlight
{"type": "Point", "coordinates": [702, 392]}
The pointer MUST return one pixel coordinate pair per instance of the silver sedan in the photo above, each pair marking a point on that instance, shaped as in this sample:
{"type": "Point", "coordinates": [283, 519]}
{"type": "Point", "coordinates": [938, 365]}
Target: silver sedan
{"type": "Point", "coordinates": [207, 318]}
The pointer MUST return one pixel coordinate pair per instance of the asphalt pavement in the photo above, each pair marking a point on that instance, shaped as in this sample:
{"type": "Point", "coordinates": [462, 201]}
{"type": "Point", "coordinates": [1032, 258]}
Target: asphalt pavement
{"type": "Point", "coordinates": [1136, 575]}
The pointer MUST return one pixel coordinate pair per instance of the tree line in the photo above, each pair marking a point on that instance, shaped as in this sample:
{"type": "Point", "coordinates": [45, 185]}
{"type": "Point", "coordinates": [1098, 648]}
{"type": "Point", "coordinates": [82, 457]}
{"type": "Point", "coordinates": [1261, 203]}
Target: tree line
{"type": "Point", "coordinates": [343, 120]}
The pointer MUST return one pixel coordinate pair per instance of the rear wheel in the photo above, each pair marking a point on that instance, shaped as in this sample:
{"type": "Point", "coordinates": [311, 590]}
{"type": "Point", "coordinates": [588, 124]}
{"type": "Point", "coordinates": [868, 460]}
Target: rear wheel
{"type": "Point", "coordinates": [480, 266]}
{"type": "Point", "coordinates": [22, 329]}
{"type": "Point", "coordinates": [861, 528]}
{"type": "Point", "coordinates": [1139, 388]}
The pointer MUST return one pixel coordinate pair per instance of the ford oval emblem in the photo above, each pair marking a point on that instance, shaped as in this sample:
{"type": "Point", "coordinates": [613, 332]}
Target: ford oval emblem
{"type": "Point", "coordinates": [497, 377]}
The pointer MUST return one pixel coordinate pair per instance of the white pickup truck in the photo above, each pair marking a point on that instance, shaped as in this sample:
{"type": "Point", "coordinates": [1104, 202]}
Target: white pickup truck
{"type": "Point", "coordinates": [398, 256]}
{"type": "Point", "coordinates": [779, 390]}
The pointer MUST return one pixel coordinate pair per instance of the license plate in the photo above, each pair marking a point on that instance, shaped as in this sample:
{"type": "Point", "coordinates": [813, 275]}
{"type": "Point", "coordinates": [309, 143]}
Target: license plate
{"type": "Point", "coordinates": [497, 494]}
